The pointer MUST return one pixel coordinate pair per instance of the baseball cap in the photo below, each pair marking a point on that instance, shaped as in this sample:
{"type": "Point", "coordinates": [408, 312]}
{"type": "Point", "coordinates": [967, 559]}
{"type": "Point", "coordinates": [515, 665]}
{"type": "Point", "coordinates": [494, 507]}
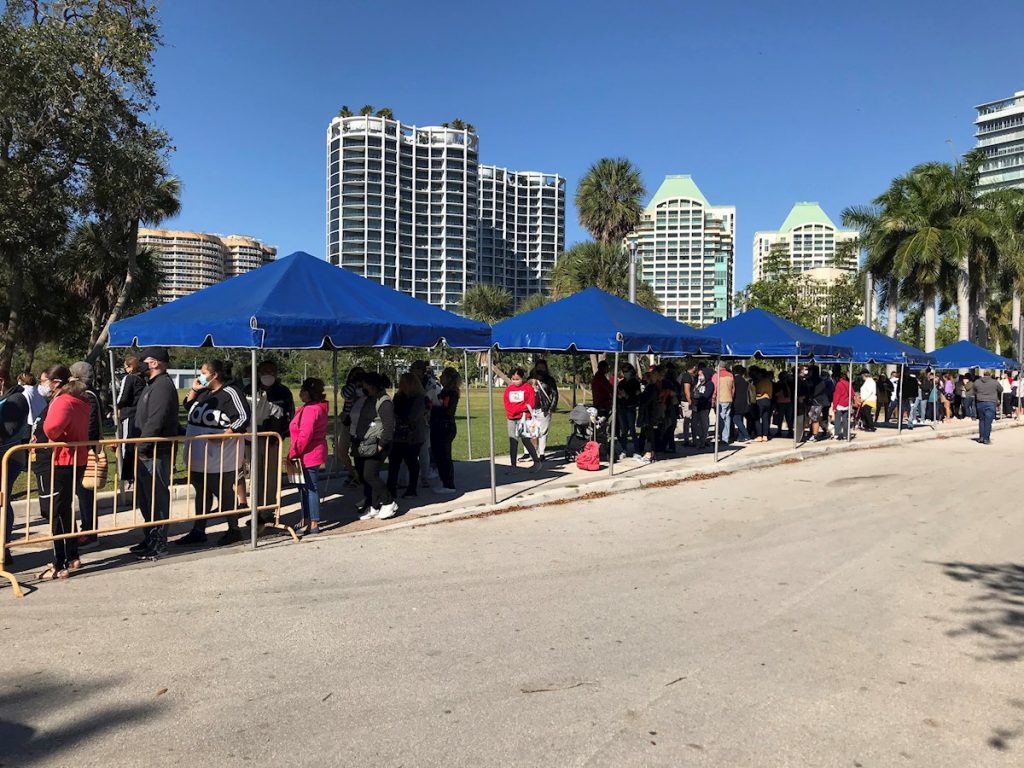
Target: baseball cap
{"type": "Point", "coordinates": [156, 353]}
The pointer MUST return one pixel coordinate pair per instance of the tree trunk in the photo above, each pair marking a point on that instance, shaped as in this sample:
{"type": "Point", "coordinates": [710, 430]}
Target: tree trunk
{"type": "Point", "coordinates": [122, 296]}
{"type": "Point", "coordinates": [963, 302]}
{"type": "Point", "coordinates": [892, 320]}
{"type": "Point", "coordinates": [30, 357]}
{"type": "Point", "coordinates": [929, 321]}
{"type": "Point", "coordinates": [1015, 322]}
{"type": "Point", "coordinates": [16, 299]}
{"type": "Point", "coordinates": [982, 339]}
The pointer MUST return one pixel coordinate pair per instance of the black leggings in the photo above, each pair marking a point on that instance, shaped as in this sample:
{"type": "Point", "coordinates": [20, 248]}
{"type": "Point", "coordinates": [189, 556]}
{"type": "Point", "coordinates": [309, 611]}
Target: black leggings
{"type": "Point", "coordinates": [527, 443]}
{"type": "Point", "coordinates": [219, 485]}
{"type": "Point", "coordinates": [64, 550]}
{"type": "Point", "coordinates": [441, 439]}
{"type": "Point", "coordinates": [375, 490]}
{"type": "Point", "coordinates": [409, 454]}
{"type": "Point", "coordinates": [764, 413]}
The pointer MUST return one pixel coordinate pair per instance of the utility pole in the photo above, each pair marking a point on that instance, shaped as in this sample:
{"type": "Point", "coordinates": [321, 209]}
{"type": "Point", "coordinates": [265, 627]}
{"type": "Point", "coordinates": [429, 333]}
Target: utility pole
{"type": "Point", "coordinates": [632, 284]}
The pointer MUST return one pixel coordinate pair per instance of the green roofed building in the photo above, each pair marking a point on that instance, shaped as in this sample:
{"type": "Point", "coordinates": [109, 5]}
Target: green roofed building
{"type": "Point", "coordinates": [809, 239]}
{"type": "Point", "coordinates": [686, 248]}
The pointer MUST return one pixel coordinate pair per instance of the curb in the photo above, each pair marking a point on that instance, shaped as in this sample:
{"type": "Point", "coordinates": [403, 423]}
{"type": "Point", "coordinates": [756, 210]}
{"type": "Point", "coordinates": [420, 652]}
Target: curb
{"type": "Point", "coordinates": [623, 484]}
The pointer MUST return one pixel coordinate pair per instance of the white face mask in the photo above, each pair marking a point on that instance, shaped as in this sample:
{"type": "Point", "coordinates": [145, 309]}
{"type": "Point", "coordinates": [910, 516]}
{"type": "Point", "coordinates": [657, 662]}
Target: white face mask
{"type": "Point", "coordinates": [266, 379]}
{"type": "Point", "coordinates": [44, 389]}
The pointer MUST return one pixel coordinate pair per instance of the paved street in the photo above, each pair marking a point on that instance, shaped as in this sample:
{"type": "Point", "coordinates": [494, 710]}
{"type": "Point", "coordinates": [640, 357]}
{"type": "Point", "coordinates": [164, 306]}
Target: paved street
{"type": "Point", "coordinates": [855, 610]}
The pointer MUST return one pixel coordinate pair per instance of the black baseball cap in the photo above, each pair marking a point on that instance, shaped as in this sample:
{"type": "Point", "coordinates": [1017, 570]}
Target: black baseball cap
{"type": "Point", "coordinates": [156, 353]}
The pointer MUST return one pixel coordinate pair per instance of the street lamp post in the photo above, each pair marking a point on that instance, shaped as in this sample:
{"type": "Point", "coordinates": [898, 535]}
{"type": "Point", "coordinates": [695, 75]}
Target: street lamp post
{"type": "Point", "coordinates": [632, 286]}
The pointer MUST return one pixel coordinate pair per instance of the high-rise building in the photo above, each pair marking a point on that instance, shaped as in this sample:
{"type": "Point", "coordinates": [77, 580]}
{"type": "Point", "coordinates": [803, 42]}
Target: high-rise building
{"type": "Point", "coordinates": [686, 248]}
{"type": "Point", "coordinates": [1000, 134]}
{"type": "Point", "coordinates": [809, 241]}
{"type": "Point", "coordinates": [521, 229]}
{"type": "Point", "coordinates": [191, 261]}
{"type": "Point", "coordinates": [402, 205]}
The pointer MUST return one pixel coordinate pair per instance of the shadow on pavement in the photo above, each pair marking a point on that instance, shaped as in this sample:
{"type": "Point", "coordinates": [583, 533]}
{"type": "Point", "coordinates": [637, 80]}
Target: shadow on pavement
{"type": "Point", "coordinates": [996, 614]}
{"type": "Point", "coordinates": [42, 717]}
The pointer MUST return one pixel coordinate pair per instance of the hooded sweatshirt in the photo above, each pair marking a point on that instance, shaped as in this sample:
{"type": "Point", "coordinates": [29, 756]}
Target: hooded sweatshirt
{"type": "Point", "coordinates": [519, 400]}
{"type": "Point", "coordinates": [308, 430]}
{"type": "Point", "coordinates": [212, 413]}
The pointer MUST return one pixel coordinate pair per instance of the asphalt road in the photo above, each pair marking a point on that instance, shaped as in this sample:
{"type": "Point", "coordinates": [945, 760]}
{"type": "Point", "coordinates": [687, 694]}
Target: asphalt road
{"type": "Point", "coordinates": [857, 610]}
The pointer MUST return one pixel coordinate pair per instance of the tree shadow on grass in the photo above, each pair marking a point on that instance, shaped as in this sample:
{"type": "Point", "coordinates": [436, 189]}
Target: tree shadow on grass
{"type": "Point", "coordinates": [42, 717]}
{"type": "Point", "coordinates": [995, 614]}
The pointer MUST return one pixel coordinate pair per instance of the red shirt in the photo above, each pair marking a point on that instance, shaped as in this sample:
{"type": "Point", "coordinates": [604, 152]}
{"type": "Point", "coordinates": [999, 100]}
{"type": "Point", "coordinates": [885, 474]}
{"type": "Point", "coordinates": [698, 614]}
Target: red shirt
{"type": "Point", "coordinates": [841, 397]}
{"type": "Point", "coordinates": [518, 400]}
{"type": "Point", "coordinates": [67, 421]}
{"type": "Point", "coordinates": [601, 392]}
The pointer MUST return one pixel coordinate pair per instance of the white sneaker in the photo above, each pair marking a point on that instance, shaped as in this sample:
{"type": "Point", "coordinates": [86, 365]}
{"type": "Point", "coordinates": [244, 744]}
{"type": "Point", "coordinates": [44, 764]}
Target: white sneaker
{"type": "Point", "coordinates": [637, 457]}
{"type": "Point", "coordinates": [371, 513]}
{"type": "Point", "coordinates": [388, 511]}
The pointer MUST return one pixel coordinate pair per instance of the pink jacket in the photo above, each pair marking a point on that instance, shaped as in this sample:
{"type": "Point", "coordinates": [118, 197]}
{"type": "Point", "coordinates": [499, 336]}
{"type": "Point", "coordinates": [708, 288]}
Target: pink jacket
{"type": "Point", "coordinates": [309, 435]}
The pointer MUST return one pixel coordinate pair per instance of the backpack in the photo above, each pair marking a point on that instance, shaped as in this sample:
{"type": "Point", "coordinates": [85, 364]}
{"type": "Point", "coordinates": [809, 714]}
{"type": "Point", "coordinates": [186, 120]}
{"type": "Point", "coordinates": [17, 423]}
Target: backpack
{"type": "Point", "coordinates": [369, 446]}
{"type": "Point", "coordinates": [543, 397]}
{"type": "Point", "coordinates": [590, 457]}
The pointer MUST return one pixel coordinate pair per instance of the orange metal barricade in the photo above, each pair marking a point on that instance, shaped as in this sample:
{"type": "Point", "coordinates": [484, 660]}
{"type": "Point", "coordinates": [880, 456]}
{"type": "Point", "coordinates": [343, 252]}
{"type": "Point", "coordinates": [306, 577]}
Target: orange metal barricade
{"type": "Point", "coordinates": [194, 455]}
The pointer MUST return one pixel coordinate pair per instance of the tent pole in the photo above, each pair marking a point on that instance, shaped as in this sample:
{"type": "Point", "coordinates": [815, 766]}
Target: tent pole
{"type": "Point", "coordinates": [490, 423]}
{"type": "Point", "coordinates": [117, 418]}
{"type": "Point", "coordinates": [796, 399]}
{"type": "Point", "coordinates": [615, 404]}
{"type": "Point", "coordinates": [849, 406]}
{"type": "Point", "coordinates": [715, 384]}
{"type": "Point", "coordinates": [899, 400]}
{"type": "Point", "coordinates": [254, 456]}
{"type": "Point", "coordinates": [469, 430]}
{"type": "Point", "coordinates": [574, 384]}
{"type": "Point", "coordinates": [337, 415]}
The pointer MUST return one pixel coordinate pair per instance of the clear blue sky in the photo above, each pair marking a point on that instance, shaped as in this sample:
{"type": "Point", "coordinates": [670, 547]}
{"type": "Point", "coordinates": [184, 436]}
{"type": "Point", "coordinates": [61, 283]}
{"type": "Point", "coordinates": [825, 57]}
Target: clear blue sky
{"type": "Point", "coordinates": [764, 103]}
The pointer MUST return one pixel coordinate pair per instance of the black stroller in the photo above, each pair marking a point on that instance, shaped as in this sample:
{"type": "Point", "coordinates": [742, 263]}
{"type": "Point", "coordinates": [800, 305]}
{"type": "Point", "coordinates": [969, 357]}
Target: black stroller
{"type": "Point", "coordinates": [586, 425]}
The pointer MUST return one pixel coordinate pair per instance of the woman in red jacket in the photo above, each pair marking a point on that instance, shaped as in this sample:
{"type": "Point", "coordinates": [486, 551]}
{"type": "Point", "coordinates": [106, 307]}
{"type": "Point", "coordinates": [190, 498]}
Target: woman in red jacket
{"type": "Point", "coordinates": [67, 421]}
{"type": "Point", "coordinates": [519, 401]}
{"type": "Point", "coordinates": [841, 405]}
{"type": "Point", "coordinates": [308, 432]}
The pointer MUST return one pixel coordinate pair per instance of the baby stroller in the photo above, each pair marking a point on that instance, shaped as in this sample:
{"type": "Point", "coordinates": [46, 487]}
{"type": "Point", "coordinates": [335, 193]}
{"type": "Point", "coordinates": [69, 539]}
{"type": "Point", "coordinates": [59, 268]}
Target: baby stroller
{"type": "Point", "coordinates": [586, 425]}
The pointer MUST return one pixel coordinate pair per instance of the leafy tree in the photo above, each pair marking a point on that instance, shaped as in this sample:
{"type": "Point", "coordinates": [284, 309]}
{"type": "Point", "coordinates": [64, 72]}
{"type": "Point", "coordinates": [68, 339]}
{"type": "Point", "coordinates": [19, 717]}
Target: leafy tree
{"type": "Point", "coordinates": [533, 301]}
{"type": "Point", "coordinates": [366, 110]}
{"type": "Point", "coordinates": [604, 266]}
{"type": "Point", "coordinates": [487, 303]}
{"type": "Point", "coordinates": [608, 199]}
{"type": "Point", "coordinates": [344, 111]}
{"type": "Point", "coordinates": [782, 290]}
{"type": "Point", "coordinates": [386, 113]}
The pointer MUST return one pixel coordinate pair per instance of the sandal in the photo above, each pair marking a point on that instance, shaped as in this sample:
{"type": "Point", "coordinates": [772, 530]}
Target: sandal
{"type": "Point", "coordinates": [75, 564]}
{"type": "Point", "coordinates": [52, 573]}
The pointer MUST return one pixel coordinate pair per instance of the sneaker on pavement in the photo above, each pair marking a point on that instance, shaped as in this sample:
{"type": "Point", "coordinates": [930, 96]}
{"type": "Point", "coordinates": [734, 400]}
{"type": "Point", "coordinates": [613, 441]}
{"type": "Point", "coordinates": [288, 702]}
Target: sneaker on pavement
{"type": "Point", "coordinates": [369, 514]}
{"type": "Point", "coordinates": [142, 546]}
{"type": "Point", "coordinates": [637, 457]}
{"type": "Point", "coordinates": [154, 553]}
{"type": "Point", "coordinates": [388, 511]}
{"type": "Point", "coordinates": [231, 536]}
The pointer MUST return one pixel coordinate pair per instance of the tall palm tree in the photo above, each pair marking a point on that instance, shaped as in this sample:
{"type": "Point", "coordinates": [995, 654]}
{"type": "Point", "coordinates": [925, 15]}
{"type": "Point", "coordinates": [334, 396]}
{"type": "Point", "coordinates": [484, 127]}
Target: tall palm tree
{"type": "Point", "coordinates": [386, 113]}
{"type": "Point", "coordinates": [487, 303]}
{"type": "Point", "coordinates": [608, 199]}
{"type": "Point", "coordinates": [366, 110]}
{"type": "Point", "coordinates": [604, 266]}
{"type": "Point", "coordinates": [344, 111]}
{"type": "Point", "coordinates": [1006, 207]}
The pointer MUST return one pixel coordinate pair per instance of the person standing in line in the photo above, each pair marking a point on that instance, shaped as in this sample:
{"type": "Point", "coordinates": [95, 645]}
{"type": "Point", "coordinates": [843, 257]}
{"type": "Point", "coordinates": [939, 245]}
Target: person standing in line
{"type": "Point", "coordinates": [869, 401]}
{"type": "Point", "coordinates": [783, 393]}
{"type": "Point", "coordinates": [15, 429]}
{"type": "Point", "coordinates": [723, 381]}
{"type": "Point", "coordinates": [218, 415]}
{"type": "Point", "coordinates": [601, 389]}
{"type": "Point", "coordinates": [841, 405]}
{"type": "Point", "coordinates": [893, 402]}
{"type": "Point", "coordinates": [373, 430]}
{"type": "Point", "coordinates": [133, 385]}
{"type": "Point", "coordinates": [67, 421]}
{"type": "Point", "coordinates": [351, 392]}
{"type": "Point", "coordinates": [443, 428]}
{"type": "Point", "coordinates": [703, 401]}
{"type": "Point", "coordinates": [970, 411]}
{"type": "Point", "coordinates": [649, 416]}
{"type": "Point", "coordinates": [626, 408]}
{"type": "Point", "coordinates": [520, 400]}
{"type": "Point", "coordinates": [87, 511]}
{"type": "Point", "coordinates": [741, 403]}
{"type": "Point", "coordinates": [432, 389]}
{"type": "Point", "coordinates": [276, 409]}
{"type": "Point", "coordinates": [1006, 387]}
{"type": "Point", "coordinates": [308, 446]}
{"type": "Point", "coordinates": [762, 380]}
{"type": "Point", "coordinates": [987, 393]}
{"type": "Point", "coordinates": [686, 382]}
{"type": "Point", "coordinates": [410, 408]}
{"type": "Point", "coordinates": [546, 390]}
{"type": "Point", "coordinates": [36, 402]}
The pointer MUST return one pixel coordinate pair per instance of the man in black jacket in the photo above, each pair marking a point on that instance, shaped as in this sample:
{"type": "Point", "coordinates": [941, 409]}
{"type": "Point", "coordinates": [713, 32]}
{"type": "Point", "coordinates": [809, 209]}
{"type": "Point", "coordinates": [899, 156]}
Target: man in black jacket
{"type": "Point", "coordinates": [14, 430]}
{"type": "Point", "coordinates": [275, 419]}
{"type": "Point", "coordinates": [156, 416]}
{"type": "Point", "coordinates": [741, 401]}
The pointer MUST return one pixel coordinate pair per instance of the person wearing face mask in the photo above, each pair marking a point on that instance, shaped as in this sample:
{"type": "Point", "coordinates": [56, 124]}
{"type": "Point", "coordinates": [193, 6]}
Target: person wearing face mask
{"type": "Point", "coordinates": [128, 396]}
{"type": "Point", "coordinates": [156, 416]}
{"type": "Point", "coordinates": [218, 411]}
{"type": "Point", "coordinates": [520, 400]}
{"type": "Point", "coordinates": [14, 430]}
{"type": "Point", "coordinates": [308, 446]}
{"type": "Point", "coordinates": [703, 401]}
{"type": "Point", "coordinates": [626, 408]}
{"type": "Point", "coordinates": [275, 418]}
{"type": "Point", "coordinates": [87, 509]}
{"type": "Point", "coordinates": [67, 421]}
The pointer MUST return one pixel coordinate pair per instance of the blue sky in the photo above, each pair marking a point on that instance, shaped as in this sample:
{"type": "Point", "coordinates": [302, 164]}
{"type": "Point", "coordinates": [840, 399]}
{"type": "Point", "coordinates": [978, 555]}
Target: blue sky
{"type": "Point", "coordinates": [764, 103]}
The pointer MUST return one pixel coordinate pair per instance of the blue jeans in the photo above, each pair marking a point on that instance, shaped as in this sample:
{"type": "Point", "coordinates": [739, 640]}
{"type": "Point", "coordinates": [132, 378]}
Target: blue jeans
{"type": "Point", "coordinates": [970, 409]}
{"type": "Point", "coordinates": [309, 495]}
{"type": "Point", "coordinates": [153, 482]}
{"type": "Point", "coordinates": [986, 414]}
{"type": "Point", "coordinates": [625, 430]}
{"type": "Point", "coordinates": [740, 422]}
{"type": "Point", "coordinates": [724, 421]}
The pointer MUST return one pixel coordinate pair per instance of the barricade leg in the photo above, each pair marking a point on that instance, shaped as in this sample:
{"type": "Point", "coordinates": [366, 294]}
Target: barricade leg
{"type": "Point", "coordinates": [268, 480]}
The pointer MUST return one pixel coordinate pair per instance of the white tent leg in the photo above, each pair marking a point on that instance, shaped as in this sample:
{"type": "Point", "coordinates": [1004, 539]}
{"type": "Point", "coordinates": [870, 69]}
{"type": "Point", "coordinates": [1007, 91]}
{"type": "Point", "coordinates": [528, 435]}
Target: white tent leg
{"type": "Point", "coordinates": [615, 404]}
{"type": "Point", "coordinates": [490, 424]}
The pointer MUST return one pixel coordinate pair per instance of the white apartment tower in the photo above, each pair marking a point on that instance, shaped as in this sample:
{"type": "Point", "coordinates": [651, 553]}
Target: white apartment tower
{"type": "Point", "coordinates": [402, 205]}
{"type": "Point", "coordinates": [521, 229]}
{"type": "Point", "coordinates": [1000, 134]}
{"type": "Point", "coordinates": [810, 241]}
{"type": "Point", "coordinates": [686, 248]}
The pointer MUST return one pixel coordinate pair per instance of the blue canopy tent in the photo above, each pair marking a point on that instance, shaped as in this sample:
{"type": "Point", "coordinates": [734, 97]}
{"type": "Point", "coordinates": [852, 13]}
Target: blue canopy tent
{"type": "Point", "coordinates": [298, 302]}
{"type": "Point", "coordinates": [595, 321]}
{"type": "Point", "coordinates": [870, 346]}
{"type": "Point", "coordinates": [757, 333]}
{"type": "Point", "coordinates": [964, 354]}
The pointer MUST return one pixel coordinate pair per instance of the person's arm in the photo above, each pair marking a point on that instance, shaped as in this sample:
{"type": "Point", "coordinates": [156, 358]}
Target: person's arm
{"type": "Point", "coordinates": [58, 419]}
{"type": "Point", "coordinates": [386, 412]}
{"type": "Point", "coordinates": [95, 425]}
{"type": "Point", "coordinates": [241, 411]}
{"type": "Point", "coordinates": [300, 436]}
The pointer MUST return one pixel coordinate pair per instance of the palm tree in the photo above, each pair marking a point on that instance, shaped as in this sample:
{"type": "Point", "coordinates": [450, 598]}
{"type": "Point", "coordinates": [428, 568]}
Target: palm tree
{"type": "Point", "coordinates": [344, 111]}
{"type": "Point", "coordinates": [604, 266]}
{"type": "Point", "coordinates": [457, 124]}
{"type": "Point", "coordinates": [487, 303]}
{"type": "Point", "coordinates": [533, 301]}
{"type": "Point", "coordinates": [1006, 207]}
{"type": "Point", "coordinates": [608, 199]}
{"type": "Point", "coordinates": [386, 113]}
{"type": "Point", "coordinates": [366, 110]}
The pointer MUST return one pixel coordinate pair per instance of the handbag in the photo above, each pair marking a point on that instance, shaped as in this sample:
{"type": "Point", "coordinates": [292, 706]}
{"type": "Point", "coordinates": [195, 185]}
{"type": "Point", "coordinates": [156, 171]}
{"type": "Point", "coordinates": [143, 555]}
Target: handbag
{"type": "Point", "coordinates": [528, 426]}
{"type": "Point", "coordinates": [95, 475]}
{"type": "Point", "coordinates": [295, 474]}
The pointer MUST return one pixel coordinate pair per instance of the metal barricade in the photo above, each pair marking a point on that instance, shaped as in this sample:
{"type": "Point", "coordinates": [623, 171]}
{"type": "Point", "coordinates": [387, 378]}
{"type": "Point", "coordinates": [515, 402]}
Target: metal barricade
{"type": "Point", "coordinates": [201, 467]}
